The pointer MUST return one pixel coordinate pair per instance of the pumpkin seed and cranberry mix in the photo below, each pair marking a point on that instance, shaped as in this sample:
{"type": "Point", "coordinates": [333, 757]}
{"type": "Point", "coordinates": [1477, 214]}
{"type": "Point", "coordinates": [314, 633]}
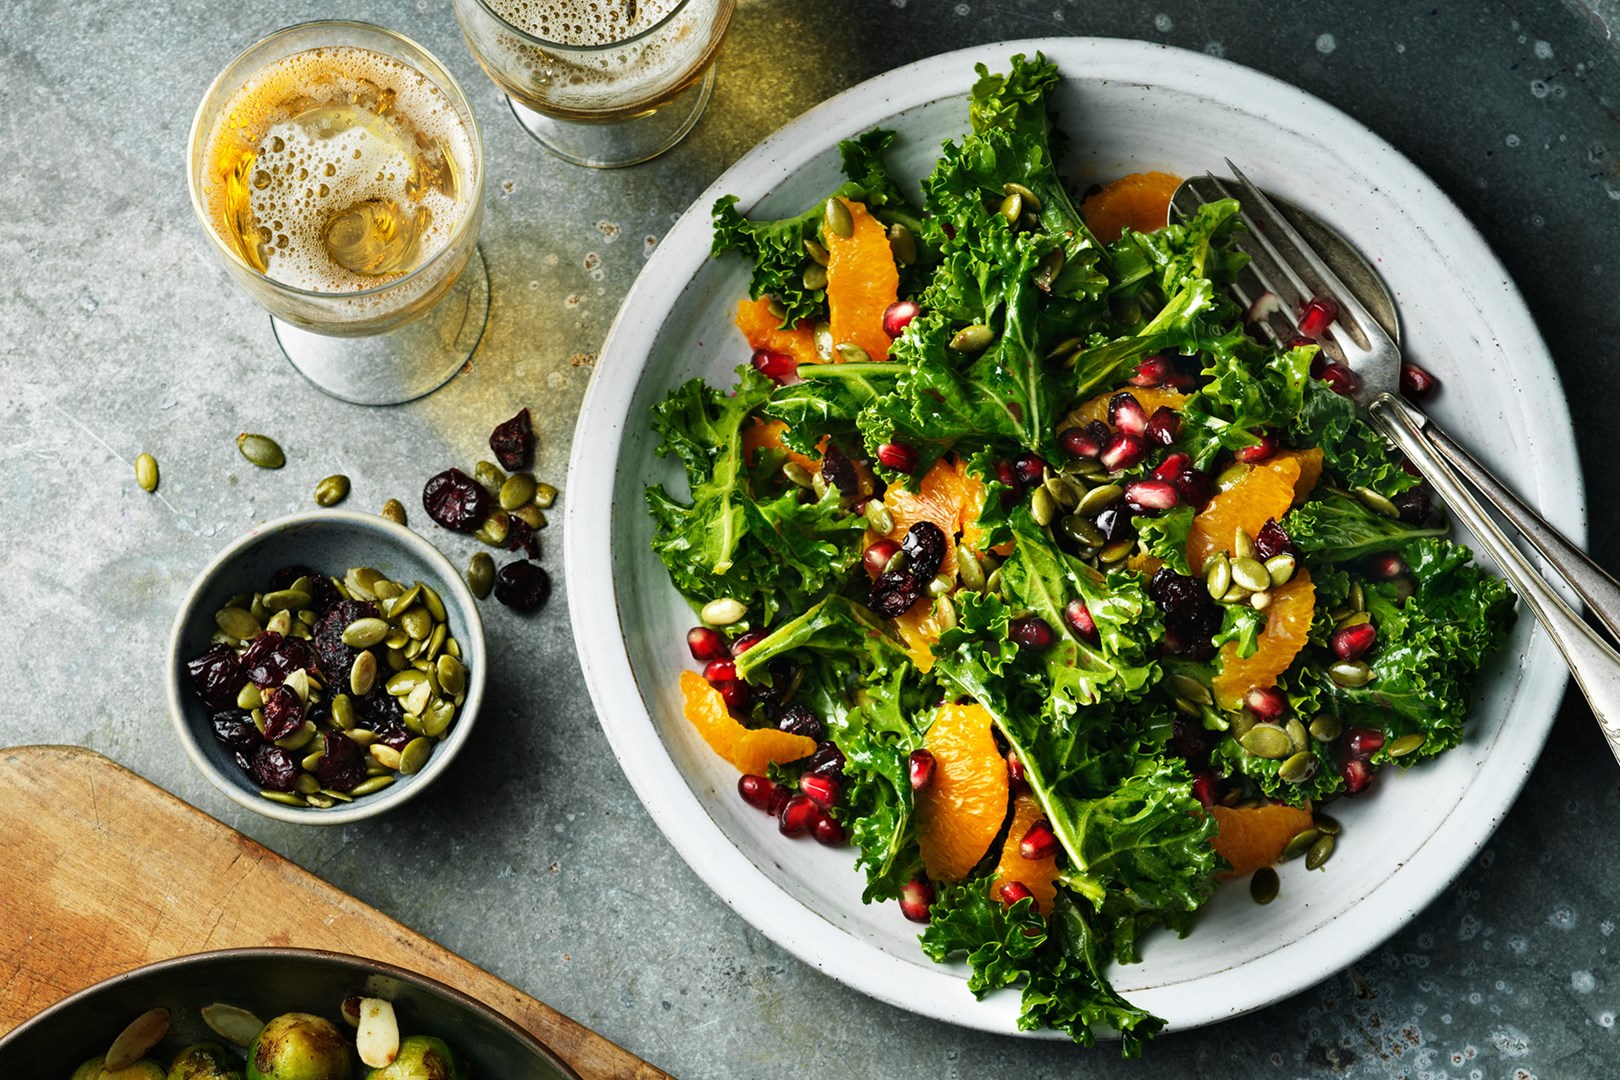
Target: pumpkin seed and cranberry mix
{"type": "Point", "coordinates": [1024, 569]}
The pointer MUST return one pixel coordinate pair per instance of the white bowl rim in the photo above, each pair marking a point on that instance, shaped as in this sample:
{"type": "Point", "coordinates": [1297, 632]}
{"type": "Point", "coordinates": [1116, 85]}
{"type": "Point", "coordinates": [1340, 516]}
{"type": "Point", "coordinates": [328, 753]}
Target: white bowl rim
{"type": "Point", "coordinates": [601, 642]}
{"type": "Point", "coordinates": [369, 805]}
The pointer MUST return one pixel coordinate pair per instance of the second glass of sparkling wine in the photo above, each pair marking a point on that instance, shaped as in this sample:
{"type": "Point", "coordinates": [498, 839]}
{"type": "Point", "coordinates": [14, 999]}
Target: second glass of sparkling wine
{"type": "Point", "coordinates": [603, 83]}
{"type": "Point", "coordinates": [339, 173]}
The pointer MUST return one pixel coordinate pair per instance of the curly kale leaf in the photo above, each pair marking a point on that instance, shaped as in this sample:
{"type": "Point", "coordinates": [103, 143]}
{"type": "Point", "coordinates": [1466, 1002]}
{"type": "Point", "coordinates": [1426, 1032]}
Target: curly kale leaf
{"type": "Point", "coordinates": [1351, 448]}
{"type": "Point", "coordinates": [1337, 529]}
{"type": "Point", "coordinates": [1165, 537]}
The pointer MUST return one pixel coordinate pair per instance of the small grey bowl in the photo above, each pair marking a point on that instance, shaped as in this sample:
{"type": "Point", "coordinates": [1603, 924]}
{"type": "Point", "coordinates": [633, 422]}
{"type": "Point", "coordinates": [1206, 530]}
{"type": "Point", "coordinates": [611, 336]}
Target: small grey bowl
{"type": "Point", "coordinates": [331, 541]}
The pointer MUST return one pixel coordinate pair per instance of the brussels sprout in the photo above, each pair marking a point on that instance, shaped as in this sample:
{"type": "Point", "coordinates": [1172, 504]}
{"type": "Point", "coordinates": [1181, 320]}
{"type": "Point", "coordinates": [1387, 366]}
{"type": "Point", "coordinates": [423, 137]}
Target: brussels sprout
{"type": "Point", "coordinates": [205, 1061]}
{"type": "Point", "coordinates": [144, 1069]}
{"type": "Point", "coordinates": [299, 1046]}
{"type": "Point", "coordinates": [421, 1057]}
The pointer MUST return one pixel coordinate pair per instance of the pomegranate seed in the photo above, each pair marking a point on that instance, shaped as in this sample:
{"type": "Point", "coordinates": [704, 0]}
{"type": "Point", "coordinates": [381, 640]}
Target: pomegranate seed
{"type": "Point", "coordinates": [1263, 450]}
{"type": "Point", "coordinates": [1015, 770]}
{"type": "Point", "coordinates": [1030, 632]}
{"type": "Point", "coordinates": [756, 791]}
{"type": "Point", "coordinates": [922, 765]}
{"type": "Point", "coordinates": [718, 671]}
{"type": "Point", "coordinates": [1150, 495]}
{"type": "Point", "coordinates": [823, 790]}
{"type": "Point", "coordinates": [1040, 842]}
{"type": "Point", "coordinates": [1152, 371]}
{"type": "Point", "coordinates": [1125, 413]}
{"type": "Point", "coordinates": [1163, 427]}
{"type": "Point", "coordinates": [1317, 315]}
{"type": "Point", "coordinates": [1387, 566]}
{"type": "Point", "coordinates": [1173, 466]}
{"type": "Point", "coordinates": [797, 816]}
{"type": "Point", "coordinates": [1351, 642]}
{"type": "Point", "coordinates": [1416, 383]}
{"type": "Point", "coordinates": [1271, 540]}
{"type": "Point", "coordinates": [1014, 891]}
{"type": "Point", "coordinates": [1115, 523]}
{"type": "Point", "coordinates": [779, 798]}
{"type": "Point", "coordinates": [1080, 442]}
{"type": "Point", "coordinates": [747, 641]}
{"type": "Point", "coordinates": [1079, 617]}
{"type": "Point", "coordinates": [1362, 743]}
{"type": "Point", "coordinates": [1266, 702]}
{"type": "Point", "coordinates": [1195, 488]}
{"type": "Point", "coordinates": [1180, 381]}
{"type": "Point", "coordinates": [916, 897]}
{"type": "Point", "coordinates": [1206, 789]}
{"type": "Point", "coordinates": [897, 456]}
{"type": "Point", "coordinates": [1340, 379]}
{"type": "Point", "coordinates": [1358, 775]}
{"type": "Point", "coordinates": [1415, 505]}
{"type": "Point", "coordinates": [778, 367]}
{"type": "Point", "coordinates": [876, 558]}
{"type": "Point", "coordinates": [706, 644]}
{"type": "Point", "coordinates": [734, 693]}
{"type": "Point", "coordinates": [1030, 468]}
{"type": "Point", "coordinates": [898, 315]}
{"type": "Point", "coordinates": [1123, 450]}
{"type": "Point", "coordinates": [1007, 476]}
{"type": "Point", "coordinates": [827, 831]}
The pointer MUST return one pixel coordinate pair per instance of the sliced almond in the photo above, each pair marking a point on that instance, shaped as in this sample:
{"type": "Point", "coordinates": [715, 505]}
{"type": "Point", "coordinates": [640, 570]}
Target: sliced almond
{"type": "Point", "coordinates": [378, 1037]}
{"type": "Point", "coordinates": [235, 1025]}
{"type": "Point", "coordinates": [143, 1033]}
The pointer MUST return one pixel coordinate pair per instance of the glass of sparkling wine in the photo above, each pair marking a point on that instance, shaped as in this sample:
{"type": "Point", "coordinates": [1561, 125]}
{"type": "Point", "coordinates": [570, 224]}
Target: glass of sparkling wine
{"type": "Point", "coordinates": [603, 83]}
{"type": "Point", "coordinates": [339, 173]}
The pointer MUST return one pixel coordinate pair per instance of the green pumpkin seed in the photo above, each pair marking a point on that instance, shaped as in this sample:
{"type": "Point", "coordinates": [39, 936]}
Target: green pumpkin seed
{"type": "Point", "coordinates": [363, 673]}
{"type": "Point", "coordinates": [1326, 727]}
{"type": "Point", "coordinates": [1048, 269]}
{"type": "Point", "coordinates": [818, 486]}
{"type": "Point", "coordinates": [836, 218]}
{"type": "Point", "coordinates": [796, 474]}
{"type": "Point", "coordinates": [285, 600]}
{"type": "Point", "coordinates": [1300, 843]}
{"type": "Point", "coordinates": [1218, 575]}
{"type": "Point", "coordinates": [1319, 853]}
{"type": "Point", "coordinates": [146, 472]}
{"type": "Point", "coordinates": [531, 516]}
{"type": "Point", "coordinates": [814, 276]}
{"type": "Point", "coordinates": [364, 736]}
{"type": "Point", "coordinates": [306, 784]}
{"type": "Point", "coordinates": [518, 489]}
{"type": "Point", "coordinates": [1250, 574]}
{"type": "Point", "coordinates": [1241, 722]}
{"type": "Point", "coordinates": [1358, 597]}
{"type": "Point", "coordinates": [1190, 688]}
{"type": "Point", "coordinates": [402, 603]}
{"type": "Point", "coordinates": [1011, 208]}
{"type": "Point", "coordinates": [850, 353]}
{"type": "Point", "coordinates": [404, 681]}
{"type": "Point", "coordinates": [1350, 673]}
{"type": "Point", "coordinates": [776, 309]}
{"type": "Point", "coordinates": [941, 585]}
{"type": "Point", "coordinates": [417, 700]}
{"type": "Point", "coordinates": [388, 590]}
{"type": "Point", "coordinates": [433, 602]}
{"type": "Point", "coordinates": [902, 244]}
{"type": "Point", "coordinates": [1242, 544]}
{"type": "Point", "coordinates": [1042, 507]}
{"type": "Point", "coordinates": [249, 697]}
{"type": "Point", "coordinates": [452, 676]}
{"type": "Point", "coordinates": [1064, 347]}
{"type": "Point", "coordinates": [1091, 469]}
{"type": "Point", "coordinates": [1099, 499]}
{"type": "Point", "coordinates": [944, 614]}
{"type": "Point", "coordinates": [816, 252]}
{"type": "Point", "coordinates": [365, 632]}
{"type": "Point", "coordinates": [971, 339]}
{"type": "Point", "coordinates": [417, 623]}
{"type": "Point", "coordinates": [1298, 768]}
{"type": "Point", "coordinates": [1260, 600]}
{"type": "Point", "coordinates": [298, 683]}
{"type": "Point", "coordinates": [1328, 825]}
{"type": "Point", "coordinates": [397, 639]}
{"type": "Point", "coordinates": [1406, 744]}
{"type": "Point", "coordinates": [312, 762]}
{"type": "Point", "coordinates": [415, 755]}
{"type": "Point", "coordinates": [1237, 594]}
{"type": "Point", "coordinates": [437, 718]}
{"type": "Point", "coordinates": [1116, 551]}
{"type": "Point", "coordinates": [1031, 200]}
{"type": "Point", "coordinates": [1352, 618]}
{"type": "Point", "coordinates": [280, 622]}
{"type": "Point", "coordinates": [495, 529]}
{"type": "Point", "coordinates": [394, 511]}
{"type": "Point", "coordinates": [363, 581]}
{"type": "Point", "coordinates": [722, 611]}
{"type": "Point", "coordinates": [300, 738]}
{"type": "Point", "coordinates": [258, 719]}
{"type": "Point", "coordinates": [481, 574]}
{"type": "Point", "coordinates": [397, 660]}
{"type": "Point", "coordinates": [969, 568]}
{"type": "Point", "coordinates": [371, 786]}
{"type": "Point", "coordinates": [1375, 502]}
{"type": "Point", "coordinates": [1267, 741]}
{"type": "Point", "coordinates": [1230, 476]}
{"type": "Point", "coordinates": [237, 623]}
{"type": "Point", "coordinates": [490, 475]}
{"type": "Point", "coordinates": [878, 517]}
{"type": "Point", "coordinates": [285, 798]}
{"type": "Point", "coordinates": [545, 495]}
{"type": "Point", "coordinates": [436, 640]}
{"type": "Point", "coordinates": [1081, 531]}
{"type": "Point", "coordinates": [332, 490]}
{"type": "Point", "coordinates": [343, 717]}
{"type": "Point", "coordinates": [385, 755]}
{"type": "Point", "coordinates": [1281, 569]}
{"type": "Point", "coordinates": [261, 450]}
{"type": "Point", "coordinates": [1264, 885]}
{"type": "Point", "coordinates": [1189, 708]}
{"type": "Point", "coordinates": [320, 800]}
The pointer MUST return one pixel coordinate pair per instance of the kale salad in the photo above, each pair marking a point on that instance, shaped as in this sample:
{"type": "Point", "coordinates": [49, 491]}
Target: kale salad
{"type": "Point", "coordinates": [1030, 570]}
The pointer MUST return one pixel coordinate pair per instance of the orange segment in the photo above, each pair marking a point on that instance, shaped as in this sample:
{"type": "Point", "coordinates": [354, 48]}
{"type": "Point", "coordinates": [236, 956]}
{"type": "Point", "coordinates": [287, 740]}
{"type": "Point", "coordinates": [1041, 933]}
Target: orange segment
{"type": "Point", "coordinates": [1255, 837]}
{"type": "Point", "coordinates": [1288, 624]}
{"type": "Point", "coordinates": [763, 331]}
{"type": "Point", "coordinates": [1140, 201]}
{"type": "Point", "coordinates": [749, 750]}
{"type": "Point", "coordinates": [1037, 875]}
{"type": "Point", "coordinates": [961, 811]}
{"type": "Point", "coordinates": [1310, 470]}
{"type": "Point", "coordinates": [767, 435]}
{"type": "Point", "coordinates": [1265, 491]}
{"type": "Point", "coordinates": [1096, 408]}
{"type": "Point", "coordinates": [861, 282]}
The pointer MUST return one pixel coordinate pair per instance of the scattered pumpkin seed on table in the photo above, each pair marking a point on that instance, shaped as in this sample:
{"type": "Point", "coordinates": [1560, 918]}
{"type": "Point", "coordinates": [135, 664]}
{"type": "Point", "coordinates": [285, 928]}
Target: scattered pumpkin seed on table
{"type": "Point", "coordinates": [146, 472]}
{"type": "Point", "coordinates": [261, 450]}
{"type": "Point", "coordinates": [394, 511]}
{"type": "Point", "coordinates": [332, 490]}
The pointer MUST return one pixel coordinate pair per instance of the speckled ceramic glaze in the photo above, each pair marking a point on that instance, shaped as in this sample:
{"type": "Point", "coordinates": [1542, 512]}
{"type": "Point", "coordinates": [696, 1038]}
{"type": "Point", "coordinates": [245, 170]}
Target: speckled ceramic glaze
{"type": "Point", "coordinates": [267, 983]}
{"type": "Point", "coordinates": [1126, 106]}
{"type": "Point", "coordinates": [333, 542]}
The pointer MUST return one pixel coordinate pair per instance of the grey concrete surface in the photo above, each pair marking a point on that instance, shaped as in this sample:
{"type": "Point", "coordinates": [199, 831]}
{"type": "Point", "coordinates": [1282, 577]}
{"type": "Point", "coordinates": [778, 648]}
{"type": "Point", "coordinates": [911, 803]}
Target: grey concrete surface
{"type": "Point", "coordinates": [533, 858]}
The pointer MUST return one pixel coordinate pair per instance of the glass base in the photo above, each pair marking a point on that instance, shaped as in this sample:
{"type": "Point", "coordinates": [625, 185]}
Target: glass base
{"type": "Point", "coordinates": [404, 363]}
{"type": "Point", "coordinates": [626, 142]}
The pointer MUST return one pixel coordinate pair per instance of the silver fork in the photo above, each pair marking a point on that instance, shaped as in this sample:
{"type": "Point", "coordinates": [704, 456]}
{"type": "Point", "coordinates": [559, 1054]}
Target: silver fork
{"type": "Point", "coordinates": [1285, 264]}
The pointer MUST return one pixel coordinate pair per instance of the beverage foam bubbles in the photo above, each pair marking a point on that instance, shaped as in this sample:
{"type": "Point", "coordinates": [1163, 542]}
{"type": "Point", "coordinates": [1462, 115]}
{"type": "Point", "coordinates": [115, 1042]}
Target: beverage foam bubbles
{"type": "Point", "coordinates": [595, 22]}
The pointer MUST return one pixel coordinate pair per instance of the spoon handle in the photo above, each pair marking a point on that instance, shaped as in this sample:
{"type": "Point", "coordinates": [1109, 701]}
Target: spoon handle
{"type": "Point", "coordinates": [1594, 664]}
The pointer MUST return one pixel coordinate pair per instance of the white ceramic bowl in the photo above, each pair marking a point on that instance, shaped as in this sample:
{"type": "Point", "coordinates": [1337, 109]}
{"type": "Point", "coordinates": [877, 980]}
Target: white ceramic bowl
{"type": "Point", "coordinates": [1127, 106]}
{"type": "Point", "coordinates": [333, 541]}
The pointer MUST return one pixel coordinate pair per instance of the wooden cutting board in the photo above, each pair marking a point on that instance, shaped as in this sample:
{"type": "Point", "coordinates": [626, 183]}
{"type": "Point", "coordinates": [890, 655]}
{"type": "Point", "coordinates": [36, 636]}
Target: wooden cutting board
{"type": "Point", "coordinates": [79, 838]}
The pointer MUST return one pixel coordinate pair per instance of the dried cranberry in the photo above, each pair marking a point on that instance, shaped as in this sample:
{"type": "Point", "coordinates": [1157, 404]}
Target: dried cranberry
{"type": "Point", "coordinates": [457, 501]}
{"type": "Point", "coordinates": [1414, 506]}
{"type": "Point", "coordinates": [1271, 540]}
{"type": "Point", "coordinates": [270, 658]}
{"type": "Point", "coordinates": [283, 714]}
{"type": "Point", "coordinates": [380, 709]}
{"type": "Point", "coordinates": [1190, 740]}
{"type": "Point", "coordinates": [270, 767]}
{"type": "Point", "coordinates": [235, 729]}
{"type": "Point", "coordinates": [798, 720]}
{"type": "Point", "coordinates": [342, 764]}
{"type": "Point", "coordinates": [332, 656]}
{"type": "Point", "coordinates": [217, 675]}
{"type": "Point", "coordinates": [522, 586]}
{"type": "Point", "coordinates": [924, 546]}
{"type": "Point", "coordinates": [894, 592]}
{"type": "Point", "coordinates": [398, 737]}
{"type": "Point", "coordinates": [839, 471]}
{"type": "Point", "coordinates": [322, 594]}
{"type": "Point", "coordinates": [827, 760]}
{"type": "Point", "coordinates": [520, 537]}
{"type": "Point", "coordinates": [1191, 618]}
{"type": "Point", "coordinates": [513, 443]}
